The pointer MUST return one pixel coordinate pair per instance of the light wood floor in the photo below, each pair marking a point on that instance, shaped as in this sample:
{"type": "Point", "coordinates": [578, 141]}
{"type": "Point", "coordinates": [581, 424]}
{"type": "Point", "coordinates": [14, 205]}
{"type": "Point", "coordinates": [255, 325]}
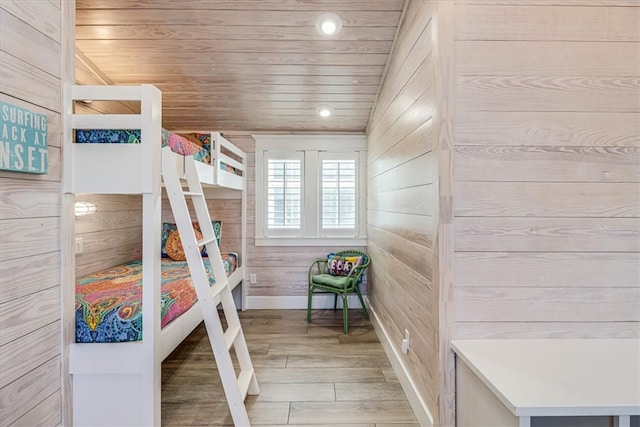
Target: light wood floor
{"type": "Point", "coordinates": [309, 374]}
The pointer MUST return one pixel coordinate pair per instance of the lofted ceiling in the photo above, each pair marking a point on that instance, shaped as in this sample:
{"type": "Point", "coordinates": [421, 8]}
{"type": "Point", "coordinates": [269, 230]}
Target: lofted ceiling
{"type": "Point", "coordinates": [248, 65]}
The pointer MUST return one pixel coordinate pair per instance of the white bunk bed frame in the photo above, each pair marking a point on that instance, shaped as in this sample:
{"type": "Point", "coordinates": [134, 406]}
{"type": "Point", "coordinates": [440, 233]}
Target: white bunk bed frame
{"type": "Point", "coordinates": [114, 383]}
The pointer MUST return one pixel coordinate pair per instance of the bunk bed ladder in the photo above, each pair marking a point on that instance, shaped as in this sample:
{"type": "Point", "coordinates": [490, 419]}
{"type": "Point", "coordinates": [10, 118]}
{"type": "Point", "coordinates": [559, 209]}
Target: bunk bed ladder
{"type": "Point", "coordinates": [235, 388]}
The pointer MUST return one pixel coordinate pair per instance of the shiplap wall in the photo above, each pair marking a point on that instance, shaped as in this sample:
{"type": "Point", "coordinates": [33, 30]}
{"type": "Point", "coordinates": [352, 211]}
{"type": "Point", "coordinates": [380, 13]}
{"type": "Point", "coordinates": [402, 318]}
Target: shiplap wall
{"type": "Point", "coordinates": [401, 199]}
{"type": "Point", "coordinates": [30, 220]}
{"type": "Point", "coordinates": [547, 169]}
{"type": "Point", "coordinates": [112, 235]}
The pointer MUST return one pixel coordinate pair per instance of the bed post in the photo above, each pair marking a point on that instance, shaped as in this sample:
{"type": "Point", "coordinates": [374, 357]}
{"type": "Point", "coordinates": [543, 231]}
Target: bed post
{"type": "Point", "coordinates": [151, 110]}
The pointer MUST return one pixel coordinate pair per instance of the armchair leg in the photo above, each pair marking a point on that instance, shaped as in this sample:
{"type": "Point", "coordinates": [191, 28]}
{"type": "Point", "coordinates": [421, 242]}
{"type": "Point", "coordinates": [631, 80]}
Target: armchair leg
{"type": "Point", "coordinates": [335, 302]}
{"type": "Point", "coordinates": [364, 307]}
{"type": "Point", "coordinates": [309, 304]}
{"type": "Point", "coordinates": [345, 313]}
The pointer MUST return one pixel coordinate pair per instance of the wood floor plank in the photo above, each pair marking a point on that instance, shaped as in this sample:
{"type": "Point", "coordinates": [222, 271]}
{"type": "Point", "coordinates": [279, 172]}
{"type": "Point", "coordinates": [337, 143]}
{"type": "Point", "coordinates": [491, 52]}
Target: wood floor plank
{"type": "Point", "coordinates": [268, 412]}
{"type": "Point", "coordinates": [318, 329]}
{"type": "Point", "coordinates": [217, 414]}
{"type": "Point", "coordinates": [302, 392]}
{"type": "Point", "coordinates": [290, 339]}
{"type": "Point", "coordinates": [369, 392]}
{"type": "Point", "coordinates": [275, 329]}
{"type": "Point", "coordinates": [320, 348]}
{"type": "Point", "coordinates": [390, 375]}
{"type": "Point", "coordinates": [359, 336]}
{"type": "Point", "coordinates": [340, 425]}
{"type": "Point", "coordinates": [345, 412]}
{"type": "Point", "coordinates": [336, 361]}
{"type": "Point", "coordinates": [189, 393]}
{"type": "Point", "coordinates": [319, 375]}
{"type": "Point", "coordinates": [268, 360]}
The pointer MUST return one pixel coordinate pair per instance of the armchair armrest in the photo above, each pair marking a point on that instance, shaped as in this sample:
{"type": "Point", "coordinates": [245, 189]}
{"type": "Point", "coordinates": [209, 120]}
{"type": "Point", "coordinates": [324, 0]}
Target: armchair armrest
{"type": "Point", "coordinates": [320, 267]}
{"type": "Point", "coordinates": [356, 272]}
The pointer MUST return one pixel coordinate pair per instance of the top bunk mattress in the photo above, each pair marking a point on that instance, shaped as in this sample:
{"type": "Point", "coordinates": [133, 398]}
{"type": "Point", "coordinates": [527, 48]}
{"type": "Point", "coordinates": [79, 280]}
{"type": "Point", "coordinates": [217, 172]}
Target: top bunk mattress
{"type": "Point", "coordinates": [197, 145]}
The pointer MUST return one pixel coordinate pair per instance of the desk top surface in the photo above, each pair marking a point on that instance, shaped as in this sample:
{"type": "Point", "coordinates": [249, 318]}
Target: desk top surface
{"type": "Point", "coordinates": [558, 376]}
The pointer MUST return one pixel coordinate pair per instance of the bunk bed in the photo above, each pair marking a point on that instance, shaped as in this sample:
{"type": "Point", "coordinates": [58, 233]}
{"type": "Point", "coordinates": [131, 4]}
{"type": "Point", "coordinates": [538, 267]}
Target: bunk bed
{"type": "Point", "coordinates": [118, 383]}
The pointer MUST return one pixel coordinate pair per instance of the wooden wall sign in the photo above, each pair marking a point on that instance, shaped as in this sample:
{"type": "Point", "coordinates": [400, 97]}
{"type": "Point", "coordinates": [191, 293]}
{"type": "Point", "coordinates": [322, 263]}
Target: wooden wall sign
{"type": "Point", "coordinates": [23, 140]}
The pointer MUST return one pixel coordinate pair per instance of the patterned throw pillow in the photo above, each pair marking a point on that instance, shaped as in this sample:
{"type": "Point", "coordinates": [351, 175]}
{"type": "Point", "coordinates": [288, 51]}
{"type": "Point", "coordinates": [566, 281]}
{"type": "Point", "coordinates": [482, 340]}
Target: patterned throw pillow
{"type": "Point", "coordinates": [175, 250]}
{"type": "Point", "coordinates": [217, 229]}
{"type": "Point", "coordinates": [342, 266]}
{"type": "Point", "coordinates": [185, 147]}
{"type": "Point", "coordinates": [191, 137]}
{"type": "Point", "coordinates": [168, 228]}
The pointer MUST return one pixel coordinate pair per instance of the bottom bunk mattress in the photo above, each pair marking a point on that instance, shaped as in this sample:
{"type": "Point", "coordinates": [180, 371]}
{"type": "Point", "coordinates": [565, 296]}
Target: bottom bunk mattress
{"type": "Point", "coordinates": [109, 303]}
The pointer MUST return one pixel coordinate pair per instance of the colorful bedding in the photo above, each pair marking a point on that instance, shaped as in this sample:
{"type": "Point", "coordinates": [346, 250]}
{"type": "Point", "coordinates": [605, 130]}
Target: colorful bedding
{"type": "Point", "coordinates": [204, 139]}
{"type": "Point", "coordinates": [197, 145]}
{"type": "Point", "coordinates": [109, 303]}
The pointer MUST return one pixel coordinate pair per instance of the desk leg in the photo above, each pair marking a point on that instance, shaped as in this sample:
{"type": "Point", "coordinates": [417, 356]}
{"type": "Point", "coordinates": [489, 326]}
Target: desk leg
{"type": "Point", "coordinates": [524, 421]}
{"type": "Point", "coordinates": [623, 421]}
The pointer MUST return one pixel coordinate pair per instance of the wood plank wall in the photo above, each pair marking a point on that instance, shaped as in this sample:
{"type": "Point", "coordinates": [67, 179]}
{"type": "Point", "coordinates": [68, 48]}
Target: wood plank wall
{"type": "Point", "coordinates": [30, 221]}
{"type": "Point", "coordinates": [112, 235]}
{"type": "Point", "coordinates": [401, 199]}
{"type": "Point", "coordinates": [547, 169]}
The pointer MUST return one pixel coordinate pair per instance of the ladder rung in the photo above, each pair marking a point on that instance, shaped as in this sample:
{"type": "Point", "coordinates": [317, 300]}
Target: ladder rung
{"type": "Point", "coordinates": [205, 241]}
{"type": "Point", "coordinates": [243, 382]}
{"type": "Point", "coordinates": [231, 334]}
{"type": "Point", "coordinates": [192, 194]}
{"type": "Point", "coordinates": [217, 288]}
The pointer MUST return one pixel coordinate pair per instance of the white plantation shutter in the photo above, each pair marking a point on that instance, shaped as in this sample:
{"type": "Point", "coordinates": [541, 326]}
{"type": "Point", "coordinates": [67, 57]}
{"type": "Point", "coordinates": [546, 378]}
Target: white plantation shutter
{"type": "Point", "coordinates": [284, 179]}
{"type": "Point", "coordinates": [338, 194]}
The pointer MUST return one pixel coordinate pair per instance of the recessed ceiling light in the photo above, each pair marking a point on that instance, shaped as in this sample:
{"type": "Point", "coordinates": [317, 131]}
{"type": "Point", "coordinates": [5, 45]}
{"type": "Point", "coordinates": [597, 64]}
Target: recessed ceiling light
{"type": "Point", "coordinates": [328, 24]}
{"type": "Point", "coordinates": [324, 111]}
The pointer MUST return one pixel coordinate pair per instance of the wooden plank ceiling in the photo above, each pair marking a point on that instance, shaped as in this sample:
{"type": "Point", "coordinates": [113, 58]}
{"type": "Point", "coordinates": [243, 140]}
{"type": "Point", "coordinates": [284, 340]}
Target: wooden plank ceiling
{"type": "Point", "coordinates": [250, 65]}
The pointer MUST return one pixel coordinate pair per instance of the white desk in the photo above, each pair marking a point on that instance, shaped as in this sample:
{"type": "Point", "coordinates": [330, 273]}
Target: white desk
{"type": "Point", "coordinates": [546, 378]}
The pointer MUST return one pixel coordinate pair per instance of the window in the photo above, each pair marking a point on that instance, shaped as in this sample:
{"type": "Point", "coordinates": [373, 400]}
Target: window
{"type": "Point", "coordinates": [338, 192]}
{"type": "Point", "coordinates": [310, 190]}
{"type": "Point", "coordinates": [284, 193]}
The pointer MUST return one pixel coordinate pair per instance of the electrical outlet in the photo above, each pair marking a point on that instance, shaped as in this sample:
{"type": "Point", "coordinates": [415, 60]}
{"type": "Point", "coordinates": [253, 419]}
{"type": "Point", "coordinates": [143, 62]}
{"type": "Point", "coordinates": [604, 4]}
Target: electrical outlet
{"type": "Point", "coordinates": [405, 342]}
{"type": "Point", "coordinates": [79, 245]}
{"type": "Point", "coordinates": [253, 278]}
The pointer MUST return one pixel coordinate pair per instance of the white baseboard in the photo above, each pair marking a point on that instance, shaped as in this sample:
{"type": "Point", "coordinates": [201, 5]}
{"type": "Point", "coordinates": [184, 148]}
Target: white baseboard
{"type": "Point", "coordinates": [298, 302]}
{"type": "Point", "coordinates": [419, 406]}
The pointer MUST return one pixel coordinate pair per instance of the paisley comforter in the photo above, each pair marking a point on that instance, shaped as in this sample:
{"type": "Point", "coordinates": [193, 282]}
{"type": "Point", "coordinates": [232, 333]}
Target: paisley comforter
{"type": "Point", "coordinates": [109, 303]}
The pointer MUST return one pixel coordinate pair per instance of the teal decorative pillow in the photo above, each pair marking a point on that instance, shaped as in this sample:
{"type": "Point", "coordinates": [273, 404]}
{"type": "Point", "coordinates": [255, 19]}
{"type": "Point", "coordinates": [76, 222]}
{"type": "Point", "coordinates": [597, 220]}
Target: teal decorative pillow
{"type": "Point", "coordinates": [167, 228]}
{"type": "Point", "coordinates": [342, 266]}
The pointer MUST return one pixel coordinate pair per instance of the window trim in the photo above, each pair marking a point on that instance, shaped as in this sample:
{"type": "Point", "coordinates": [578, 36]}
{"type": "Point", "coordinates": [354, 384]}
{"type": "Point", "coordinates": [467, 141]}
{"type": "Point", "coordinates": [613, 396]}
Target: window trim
{"type": "Point", "coordinates": [312, 146]}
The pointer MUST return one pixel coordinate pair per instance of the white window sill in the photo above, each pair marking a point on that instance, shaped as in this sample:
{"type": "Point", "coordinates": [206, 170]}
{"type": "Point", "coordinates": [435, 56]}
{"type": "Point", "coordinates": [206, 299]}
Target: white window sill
{"type": "Point", "coordinates": [311, 241]}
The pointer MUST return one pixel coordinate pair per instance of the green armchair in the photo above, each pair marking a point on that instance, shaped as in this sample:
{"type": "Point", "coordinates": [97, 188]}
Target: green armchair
{"type": "Point", "coordinates": [320, 281]}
